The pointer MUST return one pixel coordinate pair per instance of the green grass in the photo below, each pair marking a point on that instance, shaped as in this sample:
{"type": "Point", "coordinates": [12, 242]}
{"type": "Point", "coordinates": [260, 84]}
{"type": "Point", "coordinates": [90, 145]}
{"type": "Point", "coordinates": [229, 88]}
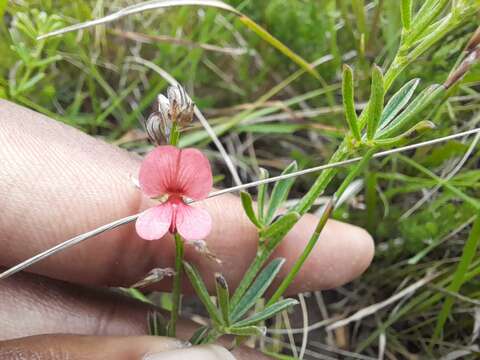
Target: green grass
{"type": "Point", "coordinates": [268, 112]}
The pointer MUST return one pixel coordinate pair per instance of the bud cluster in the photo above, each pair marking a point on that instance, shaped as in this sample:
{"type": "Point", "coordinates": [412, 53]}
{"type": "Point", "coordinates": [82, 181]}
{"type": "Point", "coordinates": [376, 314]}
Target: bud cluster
{"type": "Point", "coordinates": [173, 110]}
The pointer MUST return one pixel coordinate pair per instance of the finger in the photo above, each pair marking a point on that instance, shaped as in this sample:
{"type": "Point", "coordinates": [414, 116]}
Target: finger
{"type": "Point", "coordinates": [32, 305]}
{"type": "Point", "coordinates": [57, 182]}
{"type": "Point", "coordinates": [75, 347]}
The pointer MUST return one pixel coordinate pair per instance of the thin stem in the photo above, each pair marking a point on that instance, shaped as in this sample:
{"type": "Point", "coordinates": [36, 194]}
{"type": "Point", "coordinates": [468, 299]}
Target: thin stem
{"type": "Point", "coordinates": [306, 252]}
{"type": "Point", "coordinates": [177, 284]}
{"type": "Point", "coordinates": [321, 224]}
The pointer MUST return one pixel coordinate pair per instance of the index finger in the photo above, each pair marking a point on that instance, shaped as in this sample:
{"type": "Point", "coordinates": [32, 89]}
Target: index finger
{"type": "Point", "coordinates": [57, 182]}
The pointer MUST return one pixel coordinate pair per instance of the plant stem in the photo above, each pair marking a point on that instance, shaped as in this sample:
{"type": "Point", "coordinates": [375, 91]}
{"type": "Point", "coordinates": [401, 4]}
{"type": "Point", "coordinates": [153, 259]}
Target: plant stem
{"type": "Point", "coordinates": [321, 224]}
{"type": "Point", "coordinates": [177, 284]}
{"type": "Point", "coordinates": [306, 252]}
{"type": "Point", "coordinates": [459, 277]}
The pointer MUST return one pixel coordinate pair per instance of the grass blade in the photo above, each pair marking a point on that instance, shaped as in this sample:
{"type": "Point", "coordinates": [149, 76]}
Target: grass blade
{"type": "Point", "coordinates": [469, 251]}
{"type": "Point", "coordinates": [151, 5]}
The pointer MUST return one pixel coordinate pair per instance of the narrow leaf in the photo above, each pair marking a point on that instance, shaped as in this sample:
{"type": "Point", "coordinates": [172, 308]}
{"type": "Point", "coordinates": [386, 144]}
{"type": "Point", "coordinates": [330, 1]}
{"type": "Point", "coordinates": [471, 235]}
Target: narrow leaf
{"type": "Point", "coordinates": [223, 297]}
{"type": "Point", "coordinates": [349, 101]}
{"type": "Point", "coordinates": [375, 107]}
{"type": "Point", "coordinates": [265, 35]}
{"type": "Point", "coordinates": [258, 288]}
{"type": "Point", "coordinates": [409, 115]}
{"type": "Point", "coordinates": [406, 14]}
{"type": "Point", "coordinates": [262, 195]}
{"type": "Point", "coordinates": [199, 335]}
{"type": "Point", "coordinates": [397, 102]}
{"type": "Point", "coordinates": [280, 192]}
{"type": "Point", "coordinates": [202, 293]}
{"type": "Point", "coordinates": [280, 226]}
{"type": "Point", "coordinates": [247, 203]}
{"type": "Point", "coordinates": [268, 312]}
{"type": "Point", "coordinates": [420, 126]}
{"type": "Point", "coordinates": [247, 331]}
{"type": "Point", "coordinates": [468, 254]}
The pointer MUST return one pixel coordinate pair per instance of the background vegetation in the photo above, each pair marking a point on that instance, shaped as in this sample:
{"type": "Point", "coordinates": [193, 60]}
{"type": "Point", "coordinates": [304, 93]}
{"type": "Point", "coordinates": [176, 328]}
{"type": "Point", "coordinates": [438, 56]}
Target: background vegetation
{"type": "Point", "coordinates": [104, 80]}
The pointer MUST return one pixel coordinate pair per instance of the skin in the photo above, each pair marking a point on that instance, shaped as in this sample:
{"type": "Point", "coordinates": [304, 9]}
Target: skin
{"type": "Point", "coordinates": [55, 183]}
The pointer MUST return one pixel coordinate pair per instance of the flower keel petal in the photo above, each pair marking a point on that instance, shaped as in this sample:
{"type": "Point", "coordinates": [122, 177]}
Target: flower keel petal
{"type": "Point", "coordinates": [154, 223]}
{"type": "Point", "coordinates": [193, 223]}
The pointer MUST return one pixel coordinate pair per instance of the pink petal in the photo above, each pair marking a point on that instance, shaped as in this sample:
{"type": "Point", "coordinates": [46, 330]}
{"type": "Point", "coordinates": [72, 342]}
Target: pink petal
{"type": "Point", "coordinates": [193, 223]}
{"type": "Point", "coordinates": [154, 223]}
{"type": "Point", "coordinates": [158, 171]}
{"type": "Point", "coordinates": [194, 176]}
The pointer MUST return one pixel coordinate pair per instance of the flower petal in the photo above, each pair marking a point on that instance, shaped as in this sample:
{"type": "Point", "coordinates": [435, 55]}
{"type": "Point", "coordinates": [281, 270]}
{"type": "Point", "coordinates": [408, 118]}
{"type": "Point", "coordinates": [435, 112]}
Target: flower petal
{"type": "Point", "coordinates": [193, 223]}
{"type": "Point", "coordinates": [194, 176]}
{"type": "Point", "coordinates": [158, 172]}
{"type": "Point", "coordinates": [154, 223]}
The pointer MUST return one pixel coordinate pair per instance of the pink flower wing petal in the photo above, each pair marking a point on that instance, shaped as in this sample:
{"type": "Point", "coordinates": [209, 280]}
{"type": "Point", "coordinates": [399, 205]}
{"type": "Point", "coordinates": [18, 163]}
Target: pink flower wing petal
{"type": "Point", "coordinates": [154, 223]}
{"type": "Point", "coordinates": [194, 174]}
{"type": "Point", "coordinates": [158, 171]}
{"type": "Point", "coordinates": [193, 223]}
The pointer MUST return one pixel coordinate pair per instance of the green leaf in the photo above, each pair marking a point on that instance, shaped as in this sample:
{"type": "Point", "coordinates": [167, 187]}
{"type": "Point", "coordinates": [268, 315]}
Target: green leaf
{"type": "Point", "coordinates": [157, 325]}
{"type": "Point", "coordinates": [273, 41]}
{"type": "Point", "coordinates": [375, 106]}
{"type": "Point", "coordinates": [202, 293]}
{"type": "Point", "coordinates": [280, 192]}
{"type": "Point", "coordinates": [349, 101]}
{"type": "Point", "coordinates": [409, 115]}
{"type": "Point", "coordinates": [406, 14]}
{"type": "Point", "coordinates": [258, 288]}
{"type": "Point", "coordinates": [281, 226]}
{"type": "Point", "coordinates": [247, 331]}
{"type": "Point", "coordinates": [262, 195]}
{"type": "Point", "coordinates": [397, 102]}
{"type": "Point", "coordinates": [30, 82]}
{"type": "Point", "coordinates": [420, 126]}
{"type": "Point", "coordinates": [199, 335]}
{"type": "Point", "coordinates": [223, 297]}
{"type": "Point", "coordinates": [268, 312]}
{"type": "Point", "coordinates": [459, 276]}
{"type": "Point", "coordinates": [247, 203]}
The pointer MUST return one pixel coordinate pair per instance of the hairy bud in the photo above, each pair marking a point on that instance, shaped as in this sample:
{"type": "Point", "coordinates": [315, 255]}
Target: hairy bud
{"type": "Point", "coordinates": [177, 108]}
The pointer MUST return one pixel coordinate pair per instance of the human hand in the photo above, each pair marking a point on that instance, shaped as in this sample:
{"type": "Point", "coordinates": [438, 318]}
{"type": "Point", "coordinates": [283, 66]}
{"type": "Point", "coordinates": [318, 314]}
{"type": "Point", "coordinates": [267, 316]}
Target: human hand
{"type": "Point", "coordinates": [56, 182]}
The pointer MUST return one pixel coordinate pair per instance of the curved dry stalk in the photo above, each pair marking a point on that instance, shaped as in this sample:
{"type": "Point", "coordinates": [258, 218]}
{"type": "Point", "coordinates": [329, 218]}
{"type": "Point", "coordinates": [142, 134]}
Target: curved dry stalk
{"type": "Point", "coordinates": [79, 238]}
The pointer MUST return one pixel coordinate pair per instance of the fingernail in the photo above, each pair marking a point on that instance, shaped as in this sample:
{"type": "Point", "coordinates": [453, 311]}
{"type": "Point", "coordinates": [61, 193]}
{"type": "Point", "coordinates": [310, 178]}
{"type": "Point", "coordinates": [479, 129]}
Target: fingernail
{"type": "Point", "coordinates": [202, 352]}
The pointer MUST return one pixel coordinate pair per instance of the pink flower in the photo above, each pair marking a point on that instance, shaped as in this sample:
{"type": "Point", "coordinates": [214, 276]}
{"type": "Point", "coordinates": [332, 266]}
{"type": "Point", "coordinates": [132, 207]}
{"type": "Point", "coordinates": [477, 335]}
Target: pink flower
{"type": "Point", "coordinates": [172, 173]}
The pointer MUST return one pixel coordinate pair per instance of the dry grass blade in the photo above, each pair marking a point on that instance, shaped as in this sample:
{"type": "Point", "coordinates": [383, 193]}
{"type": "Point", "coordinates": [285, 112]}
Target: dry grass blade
{"type": "Point", "coordinates": [160, 4]}
{"type": "Point", "coordinates": [372, 309]}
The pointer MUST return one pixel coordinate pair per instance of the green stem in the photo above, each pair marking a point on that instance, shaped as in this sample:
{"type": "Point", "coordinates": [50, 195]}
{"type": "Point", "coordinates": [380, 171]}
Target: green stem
{"type": "Point", "coordinates": [459, 277]}
{"type": "Point", "coordinates": [174, 135]}
{"type": "Point", "coordinates": [177, 284]}
{"type": "Point", "coordinates": [321, 224]}
{"type": "Point", "coordinates": [301, 260]}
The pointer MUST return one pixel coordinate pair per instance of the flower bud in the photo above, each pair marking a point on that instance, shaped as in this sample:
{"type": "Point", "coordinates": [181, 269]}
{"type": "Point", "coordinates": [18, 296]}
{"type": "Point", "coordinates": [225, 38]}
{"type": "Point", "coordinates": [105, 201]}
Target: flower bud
{"type": "Point", "coordinates": [181, 106]}
{"type": "Point", "coordinates": [176, 108]}
{"type": "Point", "coordinates": [153, 276]}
